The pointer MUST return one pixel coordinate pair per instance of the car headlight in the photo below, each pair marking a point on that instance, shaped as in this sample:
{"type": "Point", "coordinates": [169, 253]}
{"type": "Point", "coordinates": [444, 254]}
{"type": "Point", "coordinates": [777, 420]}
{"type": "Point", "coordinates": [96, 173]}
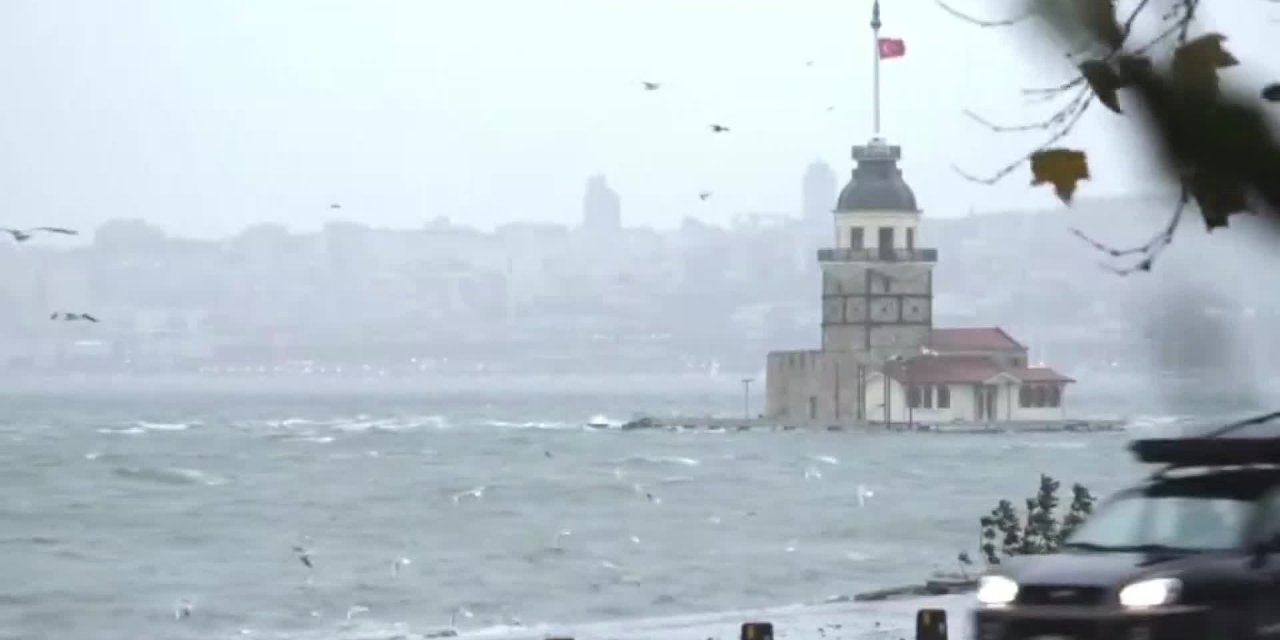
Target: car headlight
{"type": "Point", "coordinates": [996, 590]}
{"type": "Point", "coordinates": [1151, 593]}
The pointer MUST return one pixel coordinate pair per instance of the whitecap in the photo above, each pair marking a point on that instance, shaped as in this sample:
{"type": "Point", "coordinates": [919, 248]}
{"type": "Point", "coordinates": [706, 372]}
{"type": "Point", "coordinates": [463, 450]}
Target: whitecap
{"type": "Point", "coordinates": [831, 460]}
{"type": "Point", "coordinates": [688, 462]}
{"type": "Point", "coordinates": [164, 426]}
{"type": "Point", "coordinates": [542, 426]}
{"type": "Point", "coordinates": [127, 431]}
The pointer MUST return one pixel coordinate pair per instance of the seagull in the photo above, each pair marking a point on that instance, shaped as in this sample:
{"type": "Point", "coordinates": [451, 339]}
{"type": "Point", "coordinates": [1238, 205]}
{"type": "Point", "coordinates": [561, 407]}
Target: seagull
{"type": "Point", "coordinates": [704, 195]}
{"type": "Point", "coordinates": [477, 493]}
{"type": "Point", "coordinates": [719, 128]}
{"type": "Point", "coordinates": [964, 561]}
{"type": "Point", "coordinates": [70, 317]}
{"type": "Point", "coordinates": [399, 564]}
{"type": "Point", "coordinates": [652, 86]}
{"type": "Point", "coordinates": [863, 494]}
{"type": "Point", "coordinates": [22, 235]}
{"type": "Point", "coordinates": [453, 616]}
{"type": "Point", "coordinates": [359, 608]}
{"type": "Point", "coordinates": [304, 556]}
{"type": "Point", "coordinates": [183, 609]}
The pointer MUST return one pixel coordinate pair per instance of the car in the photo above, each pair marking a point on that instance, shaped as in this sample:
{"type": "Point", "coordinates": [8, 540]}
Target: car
{"type": "Point", "coordinates": [1192, 552]}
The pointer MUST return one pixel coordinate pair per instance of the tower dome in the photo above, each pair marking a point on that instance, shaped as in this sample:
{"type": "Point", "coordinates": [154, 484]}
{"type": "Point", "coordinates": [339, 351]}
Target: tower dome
{"type": "Point", "coordinates": [876, 183]}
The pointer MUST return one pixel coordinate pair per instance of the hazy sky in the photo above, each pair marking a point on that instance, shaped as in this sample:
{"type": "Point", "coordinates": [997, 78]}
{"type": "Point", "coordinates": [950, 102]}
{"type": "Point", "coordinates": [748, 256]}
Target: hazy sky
{"type": "Point", "coordinates": [207, 116]}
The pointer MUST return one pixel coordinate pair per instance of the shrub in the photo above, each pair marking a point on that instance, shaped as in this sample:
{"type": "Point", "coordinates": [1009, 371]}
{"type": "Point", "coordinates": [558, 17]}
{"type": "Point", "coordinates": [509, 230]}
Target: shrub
{"type": "Point", "coordinates": [1005, 533]}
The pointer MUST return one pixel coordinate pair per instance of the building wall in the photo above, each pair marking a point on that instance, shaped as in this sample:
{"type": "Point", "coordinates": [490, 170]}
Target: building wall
{"type": "Point", "coordinates": [814, 386]}
{"type": "Point", "coordinates": [963, 405]}
{"type": "Point", "coordinates": [870, 222]}
{"type": "Point", "coordinates": [883, 308]}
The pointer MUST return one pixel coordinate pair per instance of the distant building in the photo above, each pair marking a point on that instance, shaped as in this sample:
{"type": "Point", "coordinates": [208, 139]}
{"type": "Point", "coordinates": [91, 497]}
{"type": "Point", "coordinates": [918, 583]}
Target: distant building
{"type": "Point", "coordinates": [601, 207]}
{"type": "Point", "coordinates": [881, 359]}
{"type": "Point", "coordinates": [818, 191]}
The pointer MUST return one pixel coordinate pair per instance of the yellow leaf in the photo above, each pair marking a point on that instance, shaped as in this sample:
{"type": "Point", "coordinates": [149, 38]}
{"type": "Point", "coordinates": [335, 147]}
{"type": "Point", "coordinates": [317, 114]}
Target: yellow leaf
{"type": "Point", "coordinates": [1062, 168]}
{"type": "Point", "coordinates": [1104, 81]}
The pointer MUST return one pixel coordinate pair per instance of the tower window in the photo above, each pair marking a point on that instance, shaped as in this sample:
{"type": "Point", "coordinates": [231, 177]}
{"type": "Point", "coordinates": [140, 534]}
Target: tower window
{"type": "Point", "coordinates": [856, 240]}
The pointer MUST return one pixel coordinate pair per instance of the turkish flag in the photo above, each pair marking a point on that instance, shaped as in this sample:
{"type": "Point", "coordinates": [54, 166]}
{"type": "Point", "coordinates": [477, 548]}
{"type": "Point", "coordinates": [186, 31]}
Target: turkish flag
{"type": "Point", "coordinates": [891, 48]}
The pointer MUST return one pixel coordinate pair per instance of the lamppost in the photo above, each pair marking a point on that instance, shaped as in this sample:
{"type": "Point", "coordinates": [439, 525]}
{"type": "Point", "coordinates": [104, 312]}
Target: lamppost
{"type": "Point", "coordinates": [888, 394]}
{"type": "Point", "coordinates": [746, 398]}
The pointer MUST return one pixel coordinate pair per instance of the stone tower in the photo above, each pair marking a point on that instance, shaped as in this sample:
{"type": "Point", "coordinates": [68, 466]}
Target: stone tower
{"type": "Point", "coordinates": [877, 281]}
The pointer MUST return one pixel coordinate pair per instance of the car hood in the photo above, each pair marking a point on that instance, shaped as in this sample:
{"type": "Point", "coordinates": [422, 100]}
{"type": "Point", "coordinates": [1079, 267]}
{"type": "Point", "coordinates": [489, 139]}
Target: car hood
{"type": "Point", "coordinates": [1091, 569]}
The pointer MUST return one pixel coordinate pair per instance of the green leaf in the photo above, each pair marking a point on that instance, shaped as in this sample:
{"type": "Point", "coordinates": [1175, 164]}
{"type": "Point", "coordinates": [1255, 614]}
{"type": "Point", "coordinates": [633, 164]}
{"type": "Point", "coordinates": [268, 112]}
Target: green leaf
{"type": "Point", "coordinates": [1104, 81]}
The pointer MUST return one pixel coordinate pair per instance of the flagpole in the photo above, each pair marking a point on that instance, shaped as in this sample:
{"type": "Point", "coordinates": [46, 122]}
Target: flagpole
{"type": "Point", "coordinates": [875, 74]}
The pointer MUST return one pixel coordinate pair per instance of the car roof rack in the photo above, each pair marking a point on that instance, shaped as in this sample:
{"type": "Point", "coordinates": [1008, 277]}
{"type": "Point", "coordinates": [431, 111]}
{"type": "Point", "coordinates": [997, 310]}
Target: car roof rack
{"type": "Point", "coordinates": [1211, 449]}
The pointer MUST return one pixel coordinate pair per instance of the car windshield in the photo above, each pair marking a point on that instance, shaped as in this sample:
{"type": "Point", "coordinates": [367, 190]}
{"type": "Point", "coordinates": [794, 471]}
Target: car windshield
{"type": "Point", "coordinates": [1137, 521]}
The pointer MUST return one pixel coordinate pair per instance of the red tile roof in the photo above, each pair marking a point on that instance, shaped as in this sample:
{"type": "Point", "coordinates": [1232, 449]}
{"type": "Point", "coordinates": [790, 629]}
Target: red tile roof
{"type": "Point", "coordinates": [945, 369]}
{"type": "Point", "coordinates": [1038, 374]}
{"type": "Point", "coordinates": [972, 339]}
{"type": "Point", "coordinates": [965, 370]}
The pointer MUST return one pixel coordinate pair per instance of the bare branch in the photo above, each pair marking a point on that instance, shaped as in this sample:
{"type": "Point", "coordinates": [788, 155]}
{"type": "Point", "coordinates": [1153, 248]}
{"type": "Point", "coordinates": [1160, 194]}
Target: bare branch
{"type": "Point", "coordinates": [980, 22]}
{"type": "Point", "coordinates": [1150, 250]}
{"type": "Point", "coordinates": [1067, 117]}
{"type": "Point", "coordinates": [1066, 86]}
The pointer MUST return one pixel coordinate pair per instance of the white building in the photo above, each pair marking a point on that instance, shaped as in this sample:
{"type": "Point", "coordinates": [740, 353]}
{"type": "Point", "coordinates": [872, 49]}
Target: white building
{"type": "Point", "coordinates": [877, 325]}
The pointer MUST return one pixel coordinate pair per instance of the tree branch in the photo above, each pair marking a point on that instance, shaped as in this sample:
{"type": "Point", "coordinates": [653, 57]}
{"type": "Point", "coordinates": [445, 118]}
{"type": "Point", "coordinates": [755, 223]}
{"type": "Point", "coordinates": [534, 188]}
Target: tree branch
{"type": "Point", "coordinates": [1067, 117]}
{"type": "Point", "coordinates": [1150, 250]}
{"type": "Point", "coordinates": [1008, 22]}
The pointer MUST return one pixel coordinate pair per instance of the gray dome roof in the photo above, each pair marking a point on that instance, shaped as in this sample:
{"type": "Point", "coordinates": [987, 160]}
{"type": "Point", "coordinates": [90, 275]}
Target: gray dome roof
{"type": "Point", "coordinates": [876, 183]}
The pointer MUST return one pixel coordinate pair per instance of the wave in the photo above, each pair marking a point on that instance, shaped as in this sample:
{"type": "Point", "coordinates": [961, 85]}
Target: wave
{"type": "Point", "coordinates": [127, 431]}
{"type": "Point", "coordinates": [392, 425]}
{"type": "Point", "coordinates": [170, 475]}
{"type": "Point", "coordinates": [688, 462]}
{"type": "Point", "coordinates": [546, 426]}
{"type": "Point", "coordinates": [165, 426]}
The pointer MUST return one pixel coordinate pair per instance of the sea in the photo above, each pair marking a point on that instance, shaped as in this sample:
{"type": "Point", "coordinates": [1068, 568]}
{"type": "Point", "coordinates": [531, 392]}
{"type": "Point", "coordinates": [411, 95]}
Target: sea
{"type": "Point", "coordinates": [154, 513]}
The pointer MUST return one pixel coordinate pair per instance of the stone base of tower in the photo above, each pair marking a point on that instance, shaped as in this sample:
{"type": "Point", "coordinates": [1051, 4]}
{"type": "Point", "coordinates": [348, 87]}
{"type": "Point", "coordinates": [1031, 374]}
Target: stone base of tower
{"type": "Point", "coordinates": [818, 386]}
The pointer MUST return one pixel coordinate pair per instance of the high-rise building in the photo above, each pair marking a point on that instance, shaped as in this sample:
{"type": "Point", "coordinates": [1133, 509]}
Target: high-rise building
{"type": "Point", "coordinates": [817, 191]}
{"type": "Point", "coordinates": [601, 207]}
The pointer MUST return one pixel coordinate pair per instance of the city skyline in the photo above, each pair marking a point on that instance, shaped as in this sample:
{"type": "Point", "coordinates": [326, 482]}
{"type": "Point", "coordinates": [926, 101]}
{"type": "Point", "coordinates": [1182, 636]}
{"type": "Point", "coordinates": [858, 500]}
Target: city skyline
{"type": "Point", "coordinates": [408, 111]}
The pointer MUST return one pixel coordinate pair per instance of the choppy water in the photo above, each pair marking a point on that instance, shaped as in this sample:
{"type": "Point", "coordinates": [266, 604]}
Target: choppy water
{"type": "Point", "coordinates": [111, 510]}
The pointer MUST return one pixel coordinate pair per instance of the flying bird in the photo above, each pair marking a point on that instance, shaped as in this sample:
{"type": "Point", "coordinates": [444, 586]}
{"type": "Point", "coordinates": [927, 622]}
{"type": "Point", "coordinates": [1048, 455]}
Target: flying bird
{"type": "Point", "coordinates": [399, 564]}
{"type": "Point", "coordinates": [719, 128]}
{"type": "Point", "coordinates": [70, 317]}
{"type": "Point", "coordinates": [965, 561]}
{"type": "Point", "coordinates": [704, 195]}
{"type": "Point", "coordinates": [304, 556]}
{"type": "Point", "coordinates": [22, 235]}
{"type": "Point", "coordinates": [652, 86]}
{"type": "Point", "coordinates": [182, 609]}
{"type": "Point", "coordinates": [335, 206]}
